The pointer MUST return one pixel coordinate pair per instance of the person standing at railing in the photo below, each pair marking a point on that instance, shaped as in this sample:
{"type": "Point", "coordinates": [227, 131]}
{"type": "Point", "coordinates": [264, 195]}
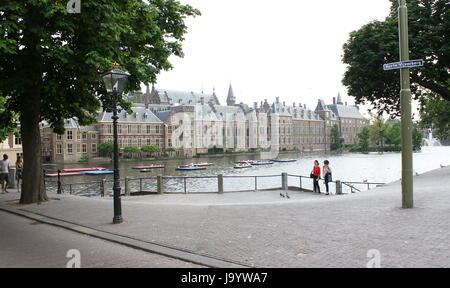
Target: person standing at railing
{"type": "Point", "coordinates": [327, 175]}
{"type": "Point", "coordinates": [315, 174]}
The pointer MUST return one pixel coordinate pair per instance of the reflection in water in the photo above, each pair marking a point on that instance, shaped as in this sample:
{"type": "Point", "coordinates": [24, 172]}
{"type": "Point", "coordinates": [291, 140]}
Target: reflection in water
{"type": "Point", "coordinates": [372, 167]}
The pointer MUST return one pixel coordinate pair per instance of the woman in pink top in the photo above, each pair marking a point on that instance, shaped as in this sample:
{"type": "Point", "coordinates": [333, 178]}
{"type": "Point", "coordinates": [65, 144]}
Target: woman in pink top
{"type": "Point", "coordinates": [316, 176]}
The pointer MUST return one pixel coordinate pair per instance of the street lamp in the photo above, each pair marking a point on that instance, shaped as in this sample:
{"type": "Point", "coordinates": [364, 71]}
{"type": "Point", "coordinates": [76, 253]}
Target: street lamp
{"type": "Point", "coordinates": [115, 81]}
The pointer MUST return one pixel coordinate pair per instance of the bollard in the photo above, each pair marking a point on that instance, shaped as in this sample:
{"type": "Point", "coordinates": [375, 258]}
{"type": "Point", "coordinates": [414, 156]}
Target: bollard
{"type": "Point", "coordinates": [102, 187]}
{"type": "Point", "coordinates": [338, 187]}
{"type": "Point", "coordinates": [12, 178]}
{"type": "Point", "coordinates": [284, 181]}
{"type": "Point", "coordinates": [127, 186]}
{"type": "Point", "coordinates": [220, 181]}
{"type": "Point", "coordinates": [59, 183]}
{"type": "Point", "coordinates": [160, 184]}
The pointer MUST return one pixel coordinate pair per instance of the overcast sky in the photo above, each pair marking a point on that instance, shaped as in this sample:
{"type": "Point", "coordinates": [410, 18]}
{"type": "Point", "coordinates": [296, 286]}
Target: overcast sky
{"type": "Point", "coordinates": [290, 49]}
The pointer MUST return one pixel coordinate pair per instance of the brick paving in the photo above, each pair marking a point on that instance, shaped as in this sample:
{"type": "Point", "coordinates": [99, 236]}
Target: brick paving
{"type": "Point", "coordinates": [262, 229]}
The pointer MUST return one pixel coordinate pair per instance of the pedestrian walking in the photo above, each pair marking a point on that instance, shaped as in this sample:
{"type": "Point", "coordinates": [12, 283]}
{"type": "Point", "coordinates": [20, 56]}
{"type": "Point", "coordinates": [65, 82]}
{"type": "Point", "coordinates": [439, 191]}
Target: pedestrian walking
{"type": "Point", "coordinates": [327, 175]}
{"type": "Point", "coordinates": [4, 173]}
{"type": "Point", "coordinates": [315, 174]}
{"type": "Point", "coordinates": [19, 171]}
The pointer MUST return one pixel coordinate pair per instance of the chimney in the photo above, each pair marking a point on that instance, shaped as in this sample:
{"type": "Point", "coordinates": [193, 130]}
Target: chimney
{"type": "Point", "coordinates": [334, 100]}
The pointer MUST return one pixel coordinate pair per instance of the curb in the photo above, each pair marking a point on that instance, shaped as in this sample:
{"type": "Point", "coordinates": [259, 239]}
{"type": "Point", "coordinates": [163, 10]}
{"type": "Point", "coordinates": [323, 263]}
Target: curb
{"type": "Point", "coordinates": [183, 255]}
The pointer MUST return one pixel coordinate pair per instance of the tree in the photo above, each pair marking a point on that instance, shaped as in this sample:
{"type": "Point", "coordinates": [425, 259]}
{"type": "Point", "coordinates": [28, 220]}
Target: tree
{"type": "Point", "coordinates": [150, 149]}
{"type": "Point", "coordinates": [393, 134]}
{"type": "Point", "coordinates": [132, 150]}
{"type": "Point", "coordinates": [377, 132]}
{"type": "Point", "coordinates": [435, 114]}
{"type": "Point", "coordinates": [376, 43]}
{"type": "Point", "coordinates": [51, 61]}
{"type": "Point", "coordinates": [8, 120]}
{"type": "Point", "coordinates": [106, 148]}
{"type": "Point", "coordinates": [336, 138]}
{"type": "Point", "coordinates": [363, 139]}
{"type": "Point", "coordinates": [417, 137]}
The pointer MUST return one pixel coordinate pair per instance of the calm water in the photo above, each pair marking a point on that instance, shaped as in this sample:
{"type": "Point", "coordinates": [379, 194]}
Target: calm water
{"type": "Point", "coordinates": [372, 167]}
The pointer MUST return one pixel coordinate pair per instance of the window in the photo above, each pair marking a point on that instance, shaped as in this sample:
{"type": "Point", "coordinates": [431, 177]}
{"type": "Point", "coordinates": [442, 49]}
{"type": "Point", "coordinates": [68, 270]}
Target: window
{"type": "Point", "coordinates": [109, 129]}
{"type": "Point", "coordinates": [69, 148]}
{"type": "Point", "coordinates": [84, 135]}
{"type": "Point", "coordinates": [139, 129]}
{"type": "Point", "coordinates": [157, 142]}
{"type": "Point", "coordinates": [84, 148]}
{"type": "Point", "coordinates": [149, 141]}
{"type": "Point", "coordinates": [78, 148]}
{"type": "Point", "coordinates": [18, 140]}
{"type": "Point", "coordinates": [58, 137]}
{"type": "Point", "coordinates": [78, 135]}
{"type": "Point", "coordinates": [157, 129]}
{"type": "Point", "coordinates": [129, 129]}
{"type": "Point", "coordinates": [149, 129]}
{"type": "Point", "coordinates": [119, 128]}
{"type": "Point", "coordinates": [93, 136]}
{"type": "Point", "coordinates": [169, 142]}
{"type": "Point", "coordinates": [59, 148]}
{"type": "Point", "coordinates": [169, 129]}
{"type": "Point", "coordinates": [94, 148]}
{"type": "Point", "coordinates": [69, 135]}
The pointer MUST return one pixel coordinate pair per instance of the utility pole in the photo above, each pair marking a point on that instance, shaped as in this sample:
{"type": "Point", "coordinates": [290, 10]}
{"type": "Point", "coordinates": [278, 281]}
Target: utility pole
{"type": "Point", "coordinates": [405, 98]}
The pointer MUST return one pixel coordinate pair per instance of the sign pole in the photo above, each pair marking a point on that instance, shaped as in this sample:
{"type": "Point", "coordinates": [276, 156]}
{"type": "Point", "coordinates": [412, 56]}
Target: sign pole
{"type": "Point", "coordinates": [405, 98]}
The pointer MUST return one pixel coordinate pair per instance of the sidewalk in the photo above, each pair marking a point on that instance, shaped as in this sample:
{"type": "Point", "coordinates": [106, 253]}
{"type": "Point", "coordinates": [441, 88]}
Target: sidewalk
{"type": "Point", "coordinates": [264, 230]}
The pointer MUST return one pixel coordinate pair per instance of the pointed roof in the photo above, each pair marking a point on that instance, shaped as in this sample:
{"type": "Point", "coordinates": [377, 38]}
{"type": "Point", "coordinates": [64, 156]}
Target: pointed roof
{"type": "Point", "coordinates": [231, 94]}
{"type": "Point", "coordinates": [339, 99]}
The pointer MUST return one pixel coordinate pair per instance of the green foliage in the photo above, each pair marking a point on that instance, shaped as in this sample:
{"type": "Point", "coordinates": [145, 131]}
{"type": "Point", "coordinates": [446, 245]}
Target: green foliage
{"type": "Point", "coordinates": [393, 134]}
{"type": "Point", "coordinates": [150, 149]}
{"type": "Point", "coordinates": [106, 147]}
{"type": "Point", "coordinates": [83, 160]}
{"type": "Point", "coordinates": [377, 131]}
{"type": "Point", "coordinates": [132, 149]}
{"type": "Point", "coordinates": [363, 140]}
{"type": "Point", "coordinates": [417, 137]}
{"type": "Point", "coordinates": [376, 43]}
{"type": "Point", "coordinates": [435, 114]}
{"type": "Point", "coordinates": [8, 119]}
{"type": "Point", "coordinates": [335, 138]}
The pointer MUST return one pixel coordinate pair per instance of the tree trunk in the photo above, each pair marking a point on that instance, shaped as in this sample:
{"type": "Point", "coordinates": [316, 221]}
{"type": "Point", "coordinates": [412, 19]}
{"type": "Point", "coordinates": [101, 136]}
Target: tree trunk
{"type": "Point", "coordinates": [33, 185]}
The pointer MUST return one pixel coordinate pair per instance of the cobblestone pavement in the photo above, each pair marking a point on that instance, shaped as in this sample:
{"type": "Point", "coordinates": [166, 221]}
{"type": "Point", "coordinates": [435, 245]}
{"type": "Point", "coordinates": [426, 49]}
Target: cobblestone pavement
{"type": "Point", "coordinates": [265, 230]}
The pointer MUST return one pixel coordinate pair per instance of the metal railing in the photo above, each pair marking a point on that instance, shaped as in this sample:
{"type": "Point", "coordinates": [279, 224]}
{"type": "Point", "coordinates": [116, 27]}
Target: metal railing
{"type": "Point", "coordinates": [190, 184]}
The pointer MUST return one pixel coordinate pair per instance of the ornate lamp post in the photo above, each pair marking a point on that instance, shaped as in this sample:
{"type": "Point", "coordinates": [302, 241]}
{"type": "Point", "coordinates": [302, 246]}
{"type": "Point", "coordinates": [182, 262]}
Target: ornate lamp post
{"type": "Point", "coordinates": [115, 81]}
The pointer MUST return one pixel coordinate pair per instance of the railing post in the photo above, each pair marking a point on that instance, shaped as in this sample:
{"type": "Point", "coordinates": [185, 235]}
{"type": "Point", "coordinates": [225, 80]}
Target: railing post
{"type": "Point", "coordinates": [102, 187]}
{"type": "Point", "coordinates": [185, 185]}
{"type": "Point", "coordinates": [140, 185]}
{"type": "Point", "coordinates": [338, 187]}
{"type": "Point", "coordinates": [256, 183]}
{"type": "Point", "coordinates": [284, 181]}
{"type": "Point", "coordinates": [220, 182]}
{"type": "Point", "coordinates": [301, 183]}
{"type": "Point", "coordinates": [127, 186]}
{"type": "Point", "coordinates": [59, 183]}
{"type": "Point", "coordinates": [160, 184]}
{"type": "Point", "coordinates": [70, 188]}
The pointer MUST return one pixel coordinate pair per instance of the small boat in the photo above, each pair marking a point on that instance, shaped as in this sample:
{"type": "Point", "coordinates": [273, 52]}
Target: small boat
{"type": "Point", "coordinates": [148, 167]}
{"type": "Point", "coordinates": [245, 162]}
{"type": "Point", "coordinates": [189, 168]}
{"type": "Point", "coordinates": [83, 169]}
{"type": "Point", "coordinates": [283, 160]}
{"type": "Point", "coordinates": [240, 166]}
{"type": "Point", "coordinates": [99, 172]}
{"type": "Point", "coordinates": [262, 163]}
{"type": "Point", "coordinates": [202, 164]}
{"type": "Point", "coordinates": [63, 174]}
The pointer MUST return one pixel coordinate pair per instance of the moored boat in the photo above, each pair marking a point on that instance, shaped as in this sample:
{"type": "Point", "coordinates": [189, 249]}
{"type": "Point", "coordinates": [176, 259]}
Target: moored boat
{"type": "Point", "coordinates": [84, 169]}
{"type": "Point", "coordinates": [189, 168]}
{"type": "Point", "coordinates": [64, 174]}
{"type": "Point", "coordinates": [148, 167]}
{"type": "Point", "coordinates": [245, 162]}
{"type": "Point", "coordinates": [240, 166]}
{"type": "Point", "coordinates": [98, 172]}
{"type": "Point", "coordinates": [283, 160]}
{"type": "Point", "coordinates": [202, 164]}
{"type": "Point", "coordinates": [262, 163]}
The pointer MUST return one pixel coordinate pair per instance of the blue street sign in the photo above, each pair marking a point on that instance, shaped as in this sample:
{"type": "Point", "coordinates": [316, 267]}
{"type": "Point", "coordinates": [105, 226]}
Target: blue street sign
{"type": "Point", "coordinates": [403, 64]}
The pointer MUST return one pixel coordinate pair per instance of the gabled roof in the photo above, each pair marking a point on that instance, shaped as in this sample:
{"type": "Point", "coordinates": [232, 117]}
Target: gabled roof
{"type": "Point", "coordinates": [174, 97]}
{"type": "Point", "coordinates": [140, 114]}
{"type": "Point", "coordinates": [344, 111]}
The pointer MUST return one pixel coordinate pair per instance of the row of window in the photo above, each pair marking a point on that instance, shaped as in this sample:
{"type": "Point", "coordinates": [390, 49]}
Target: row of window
{"type": "Point", "coordinates": [136, 129]}
{"type": "Point", "coordinates": [80, 148]}
{"type": "Point", "coordinates": [83, 135]}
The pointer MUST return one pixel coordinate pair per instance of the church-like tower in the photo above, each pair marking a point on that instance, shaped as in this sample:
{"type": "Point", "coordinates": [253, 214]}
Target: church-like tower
{"type": "Point", "coordinates": [231, 99]}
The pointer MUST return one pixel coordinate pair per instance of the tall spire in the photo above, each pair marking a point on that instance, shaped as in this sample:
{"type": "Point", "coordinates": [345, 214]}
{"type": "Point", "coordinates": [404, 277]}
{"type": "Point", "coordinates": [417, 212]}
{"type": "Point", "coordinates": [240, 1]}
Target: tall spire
{"type": "Point", "coordinates": [339, 99]}
{"type": "Point", "coordinates": [231, 99]}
